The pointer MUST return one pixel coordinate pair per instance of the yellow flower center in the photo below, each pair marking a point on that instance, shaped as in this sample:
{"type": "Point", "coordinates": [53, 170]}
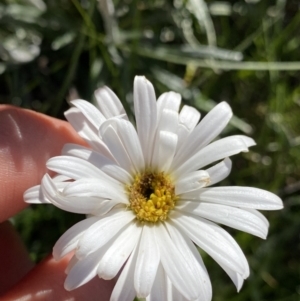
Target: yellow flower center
{"type": "Point", "coordinates": [151, 196]}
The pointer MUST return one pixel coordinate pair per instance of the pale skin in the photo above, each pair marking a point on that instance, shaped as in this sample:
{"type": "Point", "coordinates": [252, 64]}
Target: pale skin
{"type": "Point", "coordinates": [27, 140]}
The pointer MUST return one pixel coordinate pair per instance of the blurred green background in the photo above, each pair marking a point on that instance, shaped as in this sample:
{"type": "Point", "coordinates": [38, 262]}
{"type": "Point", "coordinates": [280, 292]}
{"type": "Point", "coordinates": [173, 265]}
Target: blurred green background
{"type": "Point", "coordinates": [245, 52]}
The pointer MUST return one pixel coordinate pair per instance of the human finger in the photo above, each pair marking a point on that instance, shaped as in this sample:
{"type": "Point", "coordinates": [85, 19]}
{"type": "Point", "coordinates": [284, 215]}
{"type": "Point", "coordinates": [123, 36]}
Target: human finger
{"type": "Point", "coordinates": [15, 261]}
{"type": "Point", "coordinates": [45, 282]}
{"type": "Point", "coordinates": [27, 140]}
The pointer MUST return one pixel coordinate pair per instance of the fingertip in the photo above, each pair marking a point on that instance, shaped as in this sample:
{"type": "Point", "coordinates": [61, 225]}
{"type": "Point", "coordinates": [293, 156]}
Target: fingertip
{"type": "Point", "coordinates": [27, 140]}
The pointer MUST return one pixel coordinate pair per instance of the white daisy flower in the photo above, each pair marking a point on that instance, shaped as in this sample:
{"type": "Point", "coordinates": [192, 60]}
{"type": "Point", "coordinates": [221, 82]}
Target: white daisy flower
{"type": "Point", "coordinates": [147, 197]}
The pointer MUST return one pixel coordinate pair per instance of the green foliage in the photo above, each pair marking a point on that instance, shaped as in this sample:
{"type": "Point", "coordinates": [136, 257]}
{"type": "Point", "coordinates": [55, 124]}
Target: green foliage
{"type": "Point", "coordinates": [244, 52]}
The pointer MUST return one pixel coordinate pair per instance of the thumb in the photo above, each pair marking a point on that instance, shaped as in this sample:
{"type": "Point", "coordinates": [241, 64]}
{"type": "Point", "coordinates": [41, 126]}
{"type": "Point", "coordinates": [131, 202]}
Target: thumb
{"type": "Point", "coordinates": [45, 282]}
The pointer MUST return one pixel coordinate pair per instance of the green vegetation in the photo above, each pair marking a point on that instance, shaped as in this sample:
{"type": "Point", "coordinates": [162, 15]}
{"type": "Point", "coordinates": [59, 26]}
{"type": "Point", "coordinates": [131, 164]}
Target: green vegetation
{"type": "Point", "coordinates": [244, 52]}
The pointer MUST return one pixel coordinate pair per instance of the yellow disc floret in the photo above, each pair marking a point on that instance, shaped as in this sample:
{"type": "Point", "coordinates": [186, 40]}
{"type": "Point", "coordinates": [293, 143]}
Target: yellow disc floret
{"type": "Point", "coordinates": [151, 196]}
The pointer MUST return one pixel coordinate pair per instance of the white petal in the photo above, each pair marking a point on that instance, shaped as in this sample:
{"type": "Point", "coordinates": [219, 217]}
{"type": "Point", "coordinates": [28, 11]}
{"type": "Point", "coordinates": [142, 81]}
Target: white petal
{"type": "Point", "coordinates": [87, 131]}
{"type": "Point", "coordinates": [113, 141]}
{"type": "Point", "coordinates": [176, 296]}
{"type": "Point", "coordinates": [159, 288]}
{"type": "Point", "coordinates": [168, 123]}
{"type": "Point", "coordinates": [259, 215]}
{"type": "Point", "coordinates": [106, 205]}
{"type": "Point", "coordinates": [124, 289]}
{"type": "Point", "coordinates": [192, 181]}
{"type": "Point", "coordinates": [220, 171]}
{"type": "Point", "coordinates": [69, 240]}
{"type": "Point", "coordinates": [34, 195]}
{"type": "Point", "coordinates": [77, 168]}
{"type": "Point", "coordinates": [169, 100]}
{"type": "Point", "coordinates": [102, 231]}
{"type": "Point", "coordinates": [169, 288]}
{"type": "Point", "coordinates": [130, 140]}
{"type": "Point", "coordinates": [178, 268]}
{"type": "Point", "coordinates": [145, 114]}
{"type": "Point", "coordinates": [83, 271]}
{"type": "Point", "coordinates": [107, 165]}
{"type": "Point", "coordinates": [188, 249]}
{"type": "Point", "coordinates": [71, 263]}
{"type": "Point", "coordinates": [188, 119]}
{"type": "Point", "coordinates": [73, 204]}
{"type": "Point", "coordinates": [208, 129]}
{"type": "Point", "coordinates": [109, 103]}
{"type": "Point", "coordinates": [211, 238]}
{"type": "Point", "coordinates": [147, 262]}
{"type": "Point", "coordinates": [166, 151]}
{"type": "Point", "coordinates": [95, 188]}
{"type": "Point", "coordinates": [113, 260]}
{"type": "Point", "coordinates": [215, 151]}
{"type": "Point", "coordinates": [117, 173]}
{"type": "Point", "coordinates": [60, 178]}
{"type": "Point", "coordinates": [227, 215]}
{"type": "Point", "coordinates": [243, 259]}
{"type": "Point", "coordinates": [81, 124]}
{"type": "Point", "coordinates": [91, 113]}
{"type": "Point", "coordinates": [86, 154]}
{"type": "Point", "coordinates": [244, 197]}
{"type": "Point", "coordinates": [248, 141]}
{"type": "Point", "coordinates": [236, 278]}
